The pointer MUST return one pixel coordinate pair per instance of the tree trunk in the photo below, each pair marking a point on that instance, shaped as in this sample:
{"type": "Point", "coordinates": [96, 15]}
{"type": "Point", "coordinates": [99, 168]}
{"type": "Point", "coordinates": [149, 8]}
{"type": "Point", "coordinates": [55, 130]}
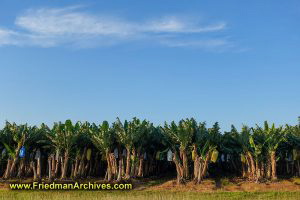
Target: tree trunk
{"type": "Point", "coordinates": [65, 165]}
{"type": "Point", "coordinates": [34, 171]}
{"type": "Point", "coordinates": [127, 176]}
{"type": "Point", "coordinates": [53, 166]}
{"type": "Point", "coordinates": [195, 161]}
{"type": "Point", "coordinates": [109, 167]}
{"type": "Point", "coordinates": [56, 167]}
{"type": "Point", "coordinates": [273, 160]}
{"type": "Point", "coordinates": [257, 170]}
{"type": "Point", "coordinates": [50, 168]}
{"type": "Point", "coordinates": [133, 162]}
{"type": "Point", "coordinates": [120, 167]}
{"type": "Point", "coordinates": [6, 173]}
{"type": "Point", "coordinates": [205, 165]}
{"type": "Point", "coordinates": [39, 176]}
{"type": "Point", "coordinates": [179, 169]}
{"type": "Point", "coordinates": [21, 168]}
{"type": "Point", "coordinates": [199, 176]}
{"type": "Point", "coordinates": [13, 166]}
{"type": "Point", "coordinates": [82, 162]}
{"type": "Point", "coordinates": [252, 166]}
{"type": "Point", "coordinates": [262, 170]}
{"type": "Point", "coordinates": [76, 167]}
{"type": "Point", "coordinates": [86, 169]}
{"type": "Point", "coordinates": [72, 170]}
{"type": "Point", "coordinates": [243, 170]}
{"type": "Point", "coordinates": [94, 172]}
{"type": "Point", "coordinates": [185, 164]}
{"type": "Point", "coordinates": [141, 166]}
{"type": "Point", "coordinates": [269, 164]}
{"type": "Point", "coordinates": [61, 164]}
{"type": "Point", "coordinates": [248, 167]}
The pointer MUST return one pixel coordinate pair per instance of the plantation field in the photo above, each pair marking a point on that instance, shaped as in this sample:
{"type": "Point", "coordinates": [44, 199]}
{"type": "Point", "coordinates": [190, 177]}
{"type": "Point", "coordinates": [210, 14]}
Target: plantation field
{"type": "Point", "coordinates": [168, 189]}
{"type": "Point", "coordinates": [166, 195]}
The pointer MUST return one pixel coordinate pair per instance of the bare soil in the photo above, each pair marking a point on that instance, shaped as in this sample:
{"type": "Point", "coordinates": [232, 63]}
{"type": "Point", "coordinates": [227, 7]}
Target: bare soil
{"type": "Point", "coordinates": [208, 185]}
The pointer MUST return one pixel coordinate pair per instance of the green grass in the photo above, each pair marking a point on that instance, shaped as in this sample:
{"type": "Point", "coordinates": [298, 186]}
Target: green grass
{"type": "Point", "coordinates": [141, 195]}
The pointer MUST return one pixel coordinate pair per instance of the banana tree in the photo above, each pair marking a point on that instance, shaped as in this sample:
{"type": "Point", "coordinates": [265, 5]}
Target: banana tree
{"type": "Point", "coordinates": [210, 141]}
{"type": "Point", "coordinates": [180, 137]}
{"type": "Point", "coordinates": [247, 157]}
{"type": "Point", "coordinates": [63, 138]}
{"type": "Point", "coordinates": [103, 138]}
{"type": "Point", "coordinates": [15, 139]}
{"type": "Point", "coordinates": [257, 142]}
{"type": "Point", "coordinates": [139, 131]}
{"type": "Point", "coordinates": [142, 143]}
{"type": "Point", "coordinates": [230, 145]}
{"type": "Point", "coordinates": [125, 134]}
{"type": "Point", "coordinates": [292, 149]}
{"type": "Point", "coordinates": [274, 137]}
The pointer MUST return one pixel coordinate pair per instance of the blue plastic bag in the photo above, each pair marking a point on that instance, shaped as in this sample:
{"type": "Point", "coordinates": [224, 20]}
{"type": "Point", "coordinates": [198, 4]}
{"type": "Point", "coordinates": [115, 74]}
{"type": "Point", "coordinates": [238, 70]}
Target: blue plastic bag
{"type": "Point", "coordinates": [22, 152]}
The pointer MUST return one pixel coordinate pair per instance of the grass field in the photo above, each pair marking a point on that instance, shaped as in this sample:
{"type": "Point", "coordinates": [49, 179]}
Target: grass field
{"type": "Point", "coordinates": [141, 195]}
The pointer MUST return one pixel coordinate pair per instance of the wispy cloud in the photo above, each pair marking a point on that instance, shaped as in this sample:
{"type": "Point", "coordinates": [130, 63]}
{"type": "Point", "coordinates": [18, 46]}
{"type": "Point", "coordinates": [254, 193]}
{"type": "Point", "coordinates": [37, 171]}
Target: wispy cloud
{"type": "Point", "coordinates": [8, 37]}
{"type": "Point", "coordinates": [204, 43]}
{"type": "Point", "coordinates": [54, 27]}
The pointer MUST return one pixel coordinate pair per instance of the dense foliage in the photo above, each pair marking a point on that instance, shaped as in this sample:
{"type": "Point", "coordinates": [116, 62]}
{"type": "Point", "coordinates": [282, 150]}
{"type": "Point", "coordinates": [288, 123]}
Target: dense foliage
{"type": "Point", "coordinates": [136, 148]}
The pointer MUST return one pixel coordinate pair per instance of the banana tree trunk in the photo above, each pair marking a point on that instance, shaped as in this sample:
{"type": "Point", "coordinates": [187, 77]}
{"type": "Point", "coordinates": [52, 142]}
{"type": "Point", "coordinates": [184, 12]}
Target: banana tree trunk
{"type": "Point", "coordinates": [72, 170]}
{"type": "Point", "coordinates": [94, 171]}
{"type": "Point", "coordinates": [109, 167]}
{"type": "Point", "coordinates": [179, 169]}
{"type": "Point", "coordinates": [50, 168]}
{"type": "Point", "coordinates": [243, 170]}
{"type": "Point", "coordinates": [273, 161]}
{"type": "Point", "coordinates": [248, 167]}
{"type": "Point", "coordinates": [199, 176]}
{"type": "Point", "coordinates": [82, 162]}
{"type": "Point", "coordinates": [21, 168]}
{"type": "Point", "coordinates": [65, 165]}
{"type": "Point", "coordinates": [257, 170]}
{"type": "Point", "coordinates": [207, 158]}
{"type": "Point", "coordinates": [127, 176]}
{"type": "Point", "coordinates": [141, 166]}
{"type": "Point", "coordinates": [13, 166]}
{"type": "Point", "coordinates": [34, 171]}
{"type": "Point", "coordinates": [120, 167]}
{"type": "Point", "coordinates": [262, 170]}
{"type": "Point", "coordinates": [185, 164]}
{"type": "Point", "coordinates": [53, 166]}
{"type": "Point", "coordinates": [61, 164]}
{"type": "Point", "coordinates": [57, 167]}
{"type": "Point", "coordinates": [269, 164]}
{"type": "Point", "coordinates": [133, 162]}
{"type": "Point", "coordinates": [136, 162]}
{"type": "Point", "coordinates": [195, 161]}
{"type": "Point", "coordinates": [39, 168]}
{"type": "Point", "coordinates": [252, 166]}
{"type": "Point", "coordinates": [76, 167]}
{"type": "Point", "coordinates": [86, 169]}
{"type": "Point", "coordinates": [196, 167]}
{"type": "Point", "coordinates": [6, 173]}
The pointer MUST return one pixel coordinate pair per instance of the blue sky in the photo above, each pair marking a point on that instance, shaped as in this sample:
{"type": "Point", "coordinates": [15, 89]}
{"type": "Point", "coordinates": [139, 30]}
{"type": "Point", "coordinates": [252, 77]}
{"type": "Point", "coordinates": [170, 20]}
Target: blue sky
{"type": "Point", "coordinates": [226, 61]}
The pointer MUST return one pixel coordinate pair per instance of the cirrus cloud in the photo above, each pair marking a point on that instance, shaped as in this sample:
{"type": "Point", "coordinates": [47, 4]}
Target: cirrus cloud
{"type": "Point", "coordinates": [46, 27]}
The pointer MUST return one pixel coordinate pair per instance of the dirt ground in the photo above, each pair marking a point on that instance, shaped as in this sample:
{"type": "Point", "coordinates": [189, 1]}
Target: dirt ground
{"type": "Point", "coordinates": [230, 185]}
{"type": "Point", "coordinates": [208, 185]}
